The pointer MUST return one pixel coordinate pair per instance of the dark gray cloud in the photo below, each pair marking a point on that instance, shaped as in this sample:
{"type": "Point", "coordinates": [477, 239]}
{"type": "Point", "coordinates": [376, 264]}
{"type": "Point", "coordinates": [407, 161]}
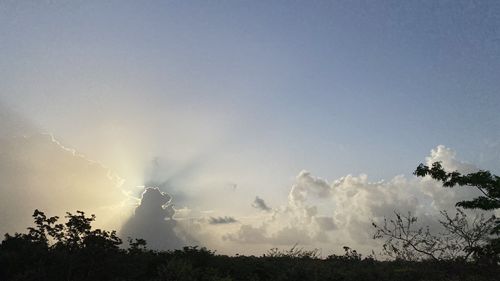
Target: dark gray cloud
{"type": "Point", "coordinates": [222, 220]}
{"type": "Point", "coordinates": [153, 221]}
{"type": "Point", "coordinates": [260, 204]}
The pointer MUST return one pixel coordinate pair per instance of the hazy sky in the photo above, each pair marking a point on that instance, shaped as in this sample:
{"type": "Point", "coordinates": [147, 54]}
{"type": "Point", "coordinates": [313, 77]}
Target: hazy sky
{"type": "Point", "coordinates": [218, 102]}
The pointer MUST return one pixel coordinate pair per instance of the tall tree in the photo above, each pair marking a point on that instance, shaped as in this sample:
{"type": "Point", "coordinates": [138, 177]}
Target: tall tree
{"type": "Point", "coordinates": [487, 183]}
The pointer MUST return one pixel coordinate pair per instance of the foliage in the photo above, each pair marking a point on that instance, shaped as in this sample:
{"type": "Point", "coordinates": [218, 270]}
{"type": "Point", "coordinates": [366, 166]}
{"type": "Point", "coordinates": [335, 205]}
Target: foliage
{"type": "Point", "coordinates": [350, 255]}
{"type": "Point", "coordinates": [294, 252]}
{"type": "Point", "coordinates": [137, 245]}
{"type": "Point", "coordinates": [74, 251]}
{"type": "Point", "coordinates": [461, 238]}
{"type": "Point", "coordinates": [484, 181]}
{"type": "Point", "coordinates": [489, 185]}
{"type": "Point", "coordinates": [469, 235]}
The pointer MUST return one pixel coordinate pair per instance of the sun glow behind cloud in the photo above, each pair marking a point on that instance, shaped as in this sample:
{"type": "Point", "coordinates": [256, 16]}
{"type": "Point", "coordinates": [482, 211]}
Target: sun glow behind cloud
{"type": "Point", "coordinates": [223, 106]}
{"type": "Point", "coordinates": [39, 172]}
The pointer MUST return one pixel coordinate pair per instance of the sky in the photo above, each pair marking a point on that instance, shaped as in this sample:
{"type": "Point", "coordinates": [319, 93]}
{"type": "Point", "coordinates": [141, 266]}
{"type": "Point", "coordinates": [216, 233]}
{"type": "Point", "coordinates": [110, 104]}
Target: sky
{"type": "Point", "coordinates": [255, 123]}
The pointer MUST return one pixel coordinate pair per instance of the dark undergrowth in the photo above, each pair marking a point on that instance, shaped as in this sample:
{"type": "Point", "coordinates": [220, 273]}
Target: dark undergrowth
{"type": "Point", "coordinates": [74, 251]}
{"type": "Point", "coordinates": [23, 261]}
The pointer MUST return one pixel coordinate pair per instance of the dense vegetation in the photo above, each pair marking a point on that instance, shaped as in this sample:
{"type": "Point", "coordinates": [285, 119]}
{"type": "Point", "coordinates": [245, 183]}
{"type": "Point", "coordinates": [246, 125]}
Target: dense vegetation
{"type": "Point", "coordinates": [74, 251]}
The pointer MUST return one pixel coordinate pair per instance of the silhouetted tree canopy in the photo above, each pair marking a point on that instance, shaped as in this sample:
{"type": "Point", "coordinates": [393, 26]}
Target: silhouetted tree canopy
{"type": "Point", "coordinates": [484, 181]}
{"type": "Point", "coordinates": [460, 237]}
{"type": "Point", "coordinates": [73, 250]}
{"type": "Point", "coordinates": [488, 184]}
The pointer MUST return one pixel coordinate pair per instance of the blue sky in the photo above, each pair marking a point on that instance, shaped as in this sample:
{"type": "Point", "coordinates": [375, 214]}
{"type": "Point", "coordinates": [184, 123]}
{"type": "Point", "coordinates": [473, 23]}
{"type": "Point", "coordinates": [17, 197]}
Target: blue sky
{"type": "Point", "coordinates": [383, 80]}
{"type": "Point", "coordinates": [252, 92]}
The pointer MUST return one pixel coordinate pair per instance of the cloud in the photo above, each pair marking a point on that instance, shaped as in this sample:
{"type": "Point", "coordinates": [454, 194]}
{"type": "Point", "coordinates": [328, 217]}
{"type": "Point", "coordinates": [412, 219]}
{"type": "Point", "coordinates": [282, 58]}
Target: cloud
{"type": "Point", "coordinates": [331, 214]}
{"type": "Point", "coordinates": [222, 220]}
{"type": "Point", "coordinates": [305, 184]}
{"type": "Point", "coordinates": [38, 172]}
{"type": "Point", "coordinates": [260, 204]}
{"type": "Point", "coordinates": [285, 236]}
{"type": "Point", "coordinates": [326, 223]}
{"type": "Point", "coordinates": [155, 205]}
{"type": "Point", "coordinates": [248, 234]}
{"type": "Point", "coordinates": [154, 221]}
{"type": "Point", "coordinates": [447, 157]}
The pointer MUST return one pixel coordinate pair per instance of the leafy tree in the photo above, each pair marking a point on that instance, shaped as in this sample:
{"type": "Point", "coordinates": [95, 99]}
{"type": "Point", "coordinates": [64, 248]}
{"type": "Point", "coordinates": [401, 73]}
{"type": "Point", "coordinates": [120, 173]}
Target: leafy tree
{"type": "Point", "coordinates": [77, 229]}
{"type": "Point", "coordinates": [487, 183]}
{"type": "Point", "coordinates": [44, 227]}
{"type": "Point", "coordinates": [484, 181]}
{"type": "Point", "coordinates": [137, 245]}
{"type": "Point", "coordinates": [75, 251]}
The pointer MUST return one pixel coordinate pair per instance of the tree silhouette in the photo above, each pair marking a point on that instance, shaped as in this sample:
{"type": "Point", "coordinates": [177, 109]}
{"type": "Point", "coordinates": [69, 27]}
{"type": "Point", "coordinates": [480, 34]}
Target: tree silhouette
{"type": "Point", "coordinates": [484, 181]}
{"type": "Point", "coordinates": [488, 184]}
{"type": "Point", "coordinates": [74, 251]}
{"type": "Point", "coordinates": [460, 238]}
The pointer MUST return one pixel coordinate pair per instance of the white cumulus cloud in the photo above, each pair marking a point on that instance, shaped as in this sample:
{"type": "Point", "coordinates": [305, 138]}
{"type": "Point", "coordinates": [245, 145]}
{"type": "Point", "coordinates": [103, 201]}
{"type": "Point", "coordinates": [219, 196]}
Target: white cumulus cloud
{"type": "Point", "coordinates": [331, 214]}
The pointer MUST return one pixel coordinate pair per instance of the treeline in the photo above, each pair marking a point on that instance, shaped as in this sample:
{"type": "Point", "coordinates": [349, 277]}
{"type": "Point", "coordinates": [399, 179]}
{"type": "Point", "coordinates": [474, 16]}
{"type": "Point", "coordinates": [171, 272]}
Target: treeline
{"type": "Point", "coordinates": [51, 250]}
{"type": "Point", "coordinates": [74, 251]}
